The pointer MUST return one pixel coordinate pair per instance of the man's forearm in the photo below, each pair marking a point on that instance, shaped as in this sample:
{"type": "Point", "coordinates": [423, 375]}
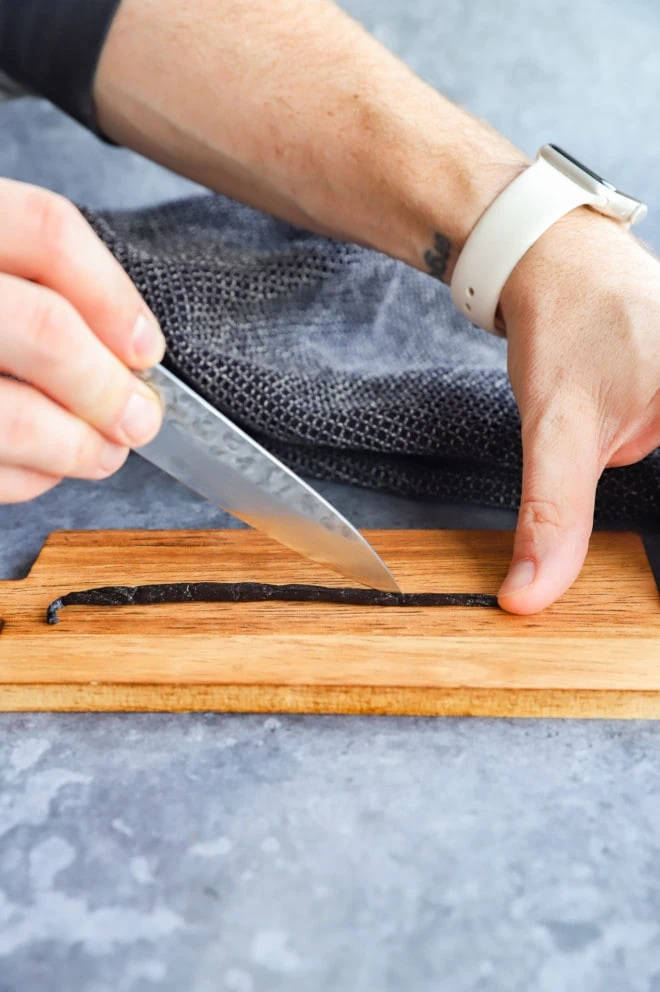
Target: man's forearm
{"type": "Point", "coordinates": [291, 106]}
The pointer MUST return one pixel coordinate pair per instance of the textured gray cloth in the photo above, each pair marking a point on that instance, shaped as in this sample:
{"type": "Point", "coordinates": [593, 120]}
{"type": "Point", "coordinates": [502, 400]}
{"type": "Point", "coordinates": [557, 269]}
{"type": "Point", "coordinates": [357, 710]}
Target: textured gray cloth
{"type": "Point", "coordinates": [349, 365]}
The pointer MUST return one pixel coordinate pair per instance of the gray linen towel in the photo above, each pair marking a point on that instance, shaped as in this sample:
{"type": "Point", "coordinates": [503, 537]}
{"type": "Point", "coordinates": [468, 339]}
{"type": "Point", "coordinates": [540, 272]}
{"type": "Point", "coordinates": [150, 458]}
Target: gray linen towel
{"type": "Point", "coordinates": [346, 364]}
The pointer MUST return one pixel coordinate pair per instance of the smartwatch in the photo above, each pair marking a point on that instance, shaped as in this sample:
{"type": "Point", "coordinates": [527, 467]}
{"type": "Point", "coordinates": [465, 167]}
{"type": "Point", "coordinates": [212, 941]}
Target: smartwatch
{"type": "Point", "coordinates": [552, 186]}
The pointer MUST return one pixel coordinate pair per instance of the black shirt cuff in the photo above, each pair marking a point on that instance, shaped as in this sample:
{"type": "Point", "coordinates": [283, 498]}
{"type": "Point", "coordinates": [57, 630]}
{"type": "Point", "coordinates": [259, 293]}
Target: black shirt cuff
{"type": "Point", "coordinates": [52, 47]}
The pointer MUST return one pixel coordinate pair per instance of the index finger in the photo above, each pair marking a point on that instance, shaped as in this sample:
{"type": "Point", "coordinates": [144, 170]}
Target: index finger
{"type": "Point", "coordinates": [45, 238]}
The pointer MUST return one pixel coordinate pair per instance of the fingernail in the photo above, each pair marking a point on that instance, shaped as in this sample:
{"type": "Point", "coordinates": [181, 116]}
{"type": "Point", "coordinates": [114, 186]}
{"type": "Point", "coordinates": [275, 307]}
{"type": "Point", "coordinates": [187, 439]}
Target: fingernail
{"type": "Point", "coordinates": [112, 457]}
{"type": "Point", "coordinates": [520, 576]}
{"type": "Point", "coordinates": [142, 416]}
{"type": "Point", "coordinates": [148, 340]}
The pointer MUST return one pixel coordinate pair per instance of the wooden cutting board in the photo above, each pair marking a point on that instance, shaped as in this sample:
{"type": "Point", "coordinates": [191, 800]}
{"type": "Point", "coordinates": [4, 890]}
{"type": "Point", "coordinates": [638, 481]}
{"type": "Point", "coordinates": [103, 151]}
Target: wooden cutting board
{"type": "Point", "coordinates": [595, 653]}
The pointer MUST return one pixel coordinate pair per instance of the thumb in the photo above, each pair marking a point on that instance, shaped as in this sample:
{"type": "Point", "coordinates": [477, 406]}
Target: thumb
{"type": "Point", "coordinates": [560, 475]}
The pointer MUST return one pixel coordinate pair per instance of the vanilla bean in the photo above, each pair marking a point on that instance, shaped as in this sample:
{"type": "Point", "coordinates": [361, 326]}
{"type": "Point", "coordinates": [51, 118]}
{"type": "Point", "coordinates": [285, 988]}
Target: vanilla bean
{"type": "Point", "coordinates": [257, 592]}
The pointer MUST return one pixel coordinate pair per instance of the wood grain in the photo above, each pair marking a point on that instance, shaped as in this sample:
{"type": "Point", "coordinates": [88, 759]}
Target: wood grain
{"type": "Point", "coordinates": [595, 653]}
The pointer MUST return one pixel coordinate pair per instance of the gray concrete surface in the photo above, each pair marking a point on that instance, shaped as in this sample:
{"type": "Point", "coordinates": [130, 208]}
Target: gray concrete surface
{"type": "Point", "coordinates": [210, 852]}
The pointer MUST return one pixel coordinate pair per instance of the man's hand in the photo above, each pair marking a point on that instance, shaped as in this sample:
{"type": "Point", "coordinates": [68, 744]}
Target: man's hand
{"type": "Point", "coordinates": [73, 325]}
{"type": "Point", "coordinates": [582, 310]}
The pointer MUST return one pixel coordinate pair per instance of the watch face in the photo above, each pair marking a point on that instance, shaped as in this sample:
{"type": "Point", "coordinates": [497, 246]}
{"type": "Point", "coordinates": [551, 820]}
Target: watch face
{"type": "Point", "coordinates": [585, 168]}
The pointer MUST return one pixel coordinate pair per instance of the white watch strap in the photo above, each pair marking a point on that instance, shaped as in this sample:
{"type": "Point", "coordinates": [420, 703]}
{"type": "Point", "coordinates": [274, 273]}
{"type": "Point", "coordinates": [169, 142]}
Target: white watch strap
{"type": "Point", "coordinates": [505, 232]}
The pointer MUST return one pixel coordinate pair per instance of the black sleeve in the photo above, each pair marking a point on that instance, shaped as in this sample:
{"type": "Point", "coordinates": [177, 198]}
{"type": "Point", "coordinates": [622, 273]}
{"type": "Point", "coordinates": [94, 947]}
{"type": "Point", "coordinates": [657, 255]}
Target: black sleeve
{"type": "Point", "coordinates": [52, 48]}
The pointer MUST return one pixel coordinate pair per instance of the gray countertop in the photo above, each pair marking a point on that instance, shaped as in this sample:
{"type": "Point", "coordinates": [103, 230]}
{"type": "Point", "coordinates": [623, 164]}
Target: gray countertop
{"type": "Point", "coordinates": [209, 852]}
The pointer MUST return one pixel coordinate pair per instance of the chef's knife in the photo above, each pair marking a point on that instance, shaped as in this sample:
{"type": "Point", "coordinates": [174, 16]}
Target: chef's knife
{"type": "Point", "coordinates": [207, 452]}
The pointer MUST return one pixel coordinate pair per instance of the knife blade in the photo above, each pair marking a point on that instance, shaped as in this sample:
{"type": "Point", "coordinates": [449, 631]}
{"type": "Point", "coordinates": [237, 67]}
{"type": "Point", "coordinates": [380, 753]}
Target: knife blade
{"type": "Point", "coordinates": [207, 452]}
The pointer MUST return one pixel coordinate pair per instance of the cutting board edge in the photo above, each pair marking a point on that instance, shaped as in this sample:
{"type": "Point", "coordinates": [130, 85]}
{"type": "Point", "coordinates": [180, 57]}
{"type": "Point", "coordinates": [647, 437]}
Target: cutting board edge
{"type": "Point", "coordinates": [233, 698]}
{"type": "Point", "coordinates": [64, 536]}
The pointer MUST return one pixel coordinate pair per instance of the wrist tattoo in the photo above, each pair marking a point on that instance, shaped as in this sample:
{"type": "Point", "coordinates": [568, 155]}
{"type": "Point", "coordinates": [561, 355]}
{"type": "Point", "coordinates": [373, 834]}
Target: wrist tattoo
{"type": "Point", "coordinates": [437, 258]}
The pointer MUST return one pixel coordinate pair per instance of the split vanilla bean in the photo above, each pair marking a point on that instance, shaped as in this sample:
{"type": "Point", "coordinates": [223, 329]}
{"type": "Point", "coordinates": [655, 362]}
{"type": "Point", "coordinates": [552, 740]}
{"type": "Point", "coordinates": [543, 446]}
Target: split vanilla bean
{"type": "Point", "coordinates": [257, 592]}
